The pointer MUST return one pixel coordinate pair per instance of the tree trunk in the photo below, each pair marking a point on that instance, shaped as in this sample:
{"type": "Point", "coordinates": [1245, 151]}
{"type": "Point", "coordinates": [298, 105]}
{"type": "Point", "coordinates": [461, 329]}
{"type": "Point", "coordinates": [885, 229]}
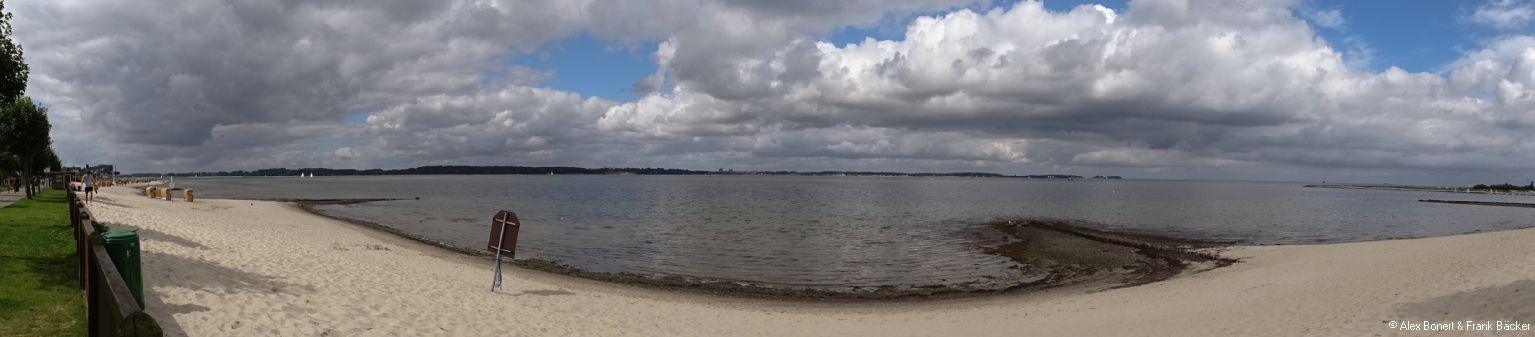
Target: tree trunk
{"type": "Point", "coordinates": [26, 174]}
{"type": "Point", "coordinates": [26, 183]}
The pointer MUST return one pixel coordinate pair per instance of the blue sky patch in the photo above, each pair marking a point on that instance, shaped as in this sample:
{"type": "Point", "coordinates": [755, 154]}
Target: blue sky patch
{"type": "Point", "coordinates": [592, 66]}
{"type": "Point", "coordinates": [360, 118]}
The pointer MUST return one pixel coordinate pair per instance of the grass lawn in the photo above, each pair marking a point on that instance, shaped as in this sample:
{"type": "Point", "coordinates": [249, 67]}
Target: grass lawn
{"type": "Point", "coordinates": [39, 276]}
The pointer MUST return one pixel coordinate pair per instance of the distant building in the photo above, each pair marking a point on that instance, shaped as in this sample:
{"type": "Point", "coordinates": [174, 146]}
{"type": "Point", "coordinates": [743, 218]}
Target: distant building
{"type": "Point", "coordinates": [99, 170]}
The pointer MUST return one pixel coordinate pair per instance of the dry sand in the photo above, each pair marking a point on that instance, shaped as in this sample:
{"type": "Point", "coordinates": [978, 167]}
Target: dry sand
{"type": "Point", "coordinates": [244, 268]}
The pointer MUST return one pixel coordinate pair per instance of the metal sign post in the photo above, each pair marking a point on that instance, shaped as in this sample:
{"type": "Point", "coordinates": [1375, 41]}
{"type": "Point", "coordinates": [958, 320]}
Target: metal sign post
{"type": "Point", "coordinates": [496, 281]}
{"type": "Point", "coordinates": [503, 241]}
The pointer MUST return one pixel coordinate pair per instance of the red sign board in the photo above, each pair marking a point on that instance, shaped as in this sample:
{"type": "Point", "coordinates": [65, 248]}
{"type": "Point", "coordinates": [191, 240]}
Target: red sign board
{"type": "Point", "coordinates": [503, 233]}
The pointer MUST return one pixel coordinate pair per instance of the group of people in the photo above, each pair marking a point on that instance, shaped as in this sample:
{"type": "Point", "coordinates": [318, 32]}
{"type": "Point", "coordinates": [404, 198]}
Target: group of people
{"type": "Point", "coordinates": [14, 184]}
{"type": "Point", "coordinates": [86, 183]}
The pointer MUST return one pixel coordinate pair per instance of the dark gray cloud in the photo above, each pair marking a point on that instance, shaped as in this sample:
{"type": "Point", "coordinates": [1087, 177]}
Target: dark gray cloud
{"type": "Point", "coordinates": [171, 73]}
{"type": "Point", "coordinates": [1165, 88]}
{"type": "Point", "coordinates": [512, 121]}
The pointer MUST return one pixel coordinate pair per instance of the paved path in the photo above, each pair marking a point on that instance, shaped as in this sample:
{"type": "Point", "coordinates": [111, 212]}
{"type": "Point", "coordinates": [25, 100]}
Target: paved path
{"type": "Point", "coordinates": [6, 198]}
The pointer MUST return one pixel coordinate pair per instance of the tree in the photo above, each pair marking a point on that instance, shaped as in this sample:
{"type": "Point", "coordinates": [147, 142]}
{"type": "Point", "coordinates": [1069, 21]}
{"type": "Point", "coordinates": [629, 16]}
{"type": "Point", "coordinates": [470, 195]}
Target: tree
{"type": "Point", "coordinates": [13, 67]}
{"type": "Point", "coordinates": [45, 160]}
{"type": "Point", "coordinates": [40, 163]}
{"type": "Point", "coordinates": [10, 166]}
{"type": "Point", "coordinates": [13, 83]}
{"type": "Point", "coordinates": [24, 131]}
{"type": "Point", "coordinates": [52, 161]}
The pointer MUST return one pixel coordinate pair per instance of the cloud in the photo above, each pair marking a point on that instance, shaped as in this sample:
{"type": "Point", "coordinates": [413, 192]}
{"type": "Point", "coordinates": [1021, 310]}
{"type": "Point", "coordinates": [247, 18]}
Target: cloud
{"type": "Point", "coordinates": [347, 153]}
{"type": "Point", "coordinates": [167, 74]}
{"type": "Point", "coordinates": [1161, 84]}
{"type": "Point", "coordinates": [510, 121]}
{"type": "Point", "coordinates": [1503, 14]}
{"type": "Point", "coordinates": [1164, 87]}
{"type": "Point", "coordinates": [1325, 18]}
{"type": "Point", "coordinates": [171, 82]}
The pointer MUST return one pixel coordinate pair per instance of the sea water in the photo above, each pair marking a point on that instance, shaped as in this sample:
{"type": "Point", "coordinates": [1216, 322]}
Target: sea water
{"type": "Point", "coordinates": [837, 232]}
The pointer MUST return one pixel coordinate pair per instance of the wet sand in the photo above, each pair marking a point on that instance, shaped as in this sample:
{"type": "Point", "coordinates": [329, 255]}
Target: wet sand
{"type": "Point", "coordinates": [260, 268]}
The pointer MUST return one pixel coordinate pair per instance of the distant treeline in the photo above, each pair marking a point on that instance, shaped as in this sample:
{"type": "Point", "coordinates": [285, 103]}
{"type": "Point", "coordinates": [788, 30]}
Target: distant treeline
{"type": "Point", "coordinates": [1505, 187]}
{"type": "Point", "coordinates": [434, 170]}
{"type": "Point", "coordinates": [566, 170]}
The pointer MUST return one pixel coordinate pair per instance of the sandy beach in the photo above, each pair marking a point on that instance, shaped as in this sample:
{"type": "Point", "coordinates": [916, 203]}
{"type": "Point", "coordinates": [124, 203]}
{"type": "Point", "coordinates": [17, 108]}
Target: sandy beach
{"type": "Point", "coordinates": [256, 268]}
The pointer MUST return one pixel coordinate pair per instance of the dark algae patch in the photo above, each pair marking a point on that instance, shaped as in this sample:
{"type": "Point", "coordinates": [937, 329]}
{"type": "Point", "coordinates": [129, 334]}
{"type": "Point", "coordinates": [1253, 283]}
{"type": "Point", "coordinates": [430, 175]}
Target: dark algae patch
{"type": "Point", "coordinates": [1047, 253]}
{"type": "Point", "coordinates": [1061, 252]}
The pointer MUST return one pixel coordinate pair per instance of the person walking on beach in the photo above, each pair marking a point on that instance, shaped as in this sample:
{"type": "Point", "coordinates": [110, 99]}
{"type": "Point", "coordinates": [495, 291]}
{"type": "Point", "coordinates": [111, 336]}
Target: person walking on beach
{"type": "Point", "coordinates": [90, 188]}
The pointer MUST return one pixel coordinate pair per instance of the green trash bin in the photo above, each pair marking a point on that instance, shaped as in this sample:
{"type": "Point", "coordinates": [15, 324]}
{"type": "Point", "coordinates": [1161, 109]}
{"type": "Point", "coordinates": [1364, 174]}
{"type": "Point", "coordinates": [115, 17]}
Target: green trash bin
{"type": "Point", "coordinates": [123, 247]}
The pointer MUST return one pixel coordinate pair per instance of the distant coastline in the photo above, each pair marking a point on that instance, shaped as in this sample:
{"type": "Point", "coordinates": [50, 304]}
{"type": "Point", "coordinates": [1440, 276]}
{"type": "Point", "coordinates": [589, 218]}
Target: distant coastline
{"type": "Point", "coordinates": [568, 170]}
{"type": "Point", "coordinates": [1443, 189]}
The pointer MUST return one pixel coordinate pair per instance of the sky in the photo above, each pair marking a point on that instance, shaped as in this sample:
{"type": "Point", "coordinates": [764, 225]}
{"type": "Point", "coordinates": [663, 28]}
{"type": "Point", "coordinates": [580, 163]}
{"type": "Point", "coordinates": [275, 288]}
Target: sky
{"type": "Point", "coordinates": [1428, 92]}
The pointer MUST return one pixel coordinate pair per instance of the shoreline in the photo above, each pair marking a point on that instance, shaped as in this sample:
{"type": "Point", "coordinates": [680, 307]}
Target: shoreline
{"type": "Point", "coordinates": [1480, 203]}
{"type": "Point", "coordinates": [244, 268]}
{"type": "Point", "coordinates": [1174, 260]}
{"type": "Point", "coordinates": [1410, 188]}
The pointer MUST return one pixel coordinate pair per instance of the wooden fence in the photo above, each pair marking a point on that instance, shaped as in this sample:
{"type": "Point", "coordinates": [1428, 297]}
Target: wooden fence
{"type": "Point", "coordinates": [110, 308]}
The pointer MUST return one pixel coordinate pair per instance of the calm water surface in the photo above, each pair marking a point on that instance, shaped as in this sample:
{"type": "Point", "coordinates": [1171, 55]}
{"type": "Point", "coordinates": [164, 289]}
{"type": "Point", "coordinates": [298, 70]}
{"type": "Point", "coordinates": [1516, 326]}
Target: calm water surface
{"type": "Point", "coordinates": [837, 232]}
